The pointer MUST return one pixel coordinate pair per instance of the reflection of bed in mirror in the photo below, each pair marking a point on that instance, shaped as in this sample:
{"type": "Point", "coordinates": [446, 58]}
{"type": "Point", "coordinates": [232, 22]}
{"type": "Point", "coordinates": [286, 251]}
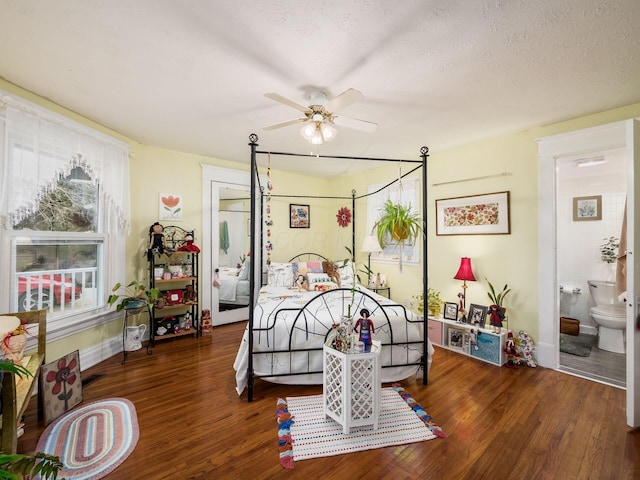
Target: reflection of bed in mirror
{"type": "Point", "coordinates": [233, 291]}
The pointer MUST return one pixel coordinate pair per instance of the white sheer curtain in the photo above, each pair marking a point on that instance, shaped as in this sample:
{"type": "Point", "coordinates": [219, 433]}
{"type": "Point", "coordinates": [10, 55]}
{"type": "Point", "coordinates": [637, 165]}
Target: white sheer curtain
{"type": "Point", "coordinates": [40, 146]}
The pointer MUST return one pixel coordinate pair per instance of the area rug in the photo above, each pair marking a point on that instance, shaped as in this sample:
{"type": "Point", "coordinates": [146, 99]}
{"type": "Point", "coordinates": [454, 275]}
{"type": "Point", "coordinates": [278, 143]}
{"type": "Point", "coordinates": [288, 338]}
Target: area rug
{"type": "Point", "coordinates": [92, 440]}
{"type": "Point", "coordinates": [572, 347]}
{"type": "Point", "coordinates": [304, 432]}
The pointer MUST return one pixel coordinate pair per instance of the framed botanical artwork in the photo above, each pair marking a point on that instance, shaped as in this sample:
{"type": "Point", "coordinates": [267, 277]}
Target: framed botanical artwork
{"type": "Point", "coordinates": [486, 214]}
{"type": "Point", "coordinates": [477, 315]}
{"type": "Point", "coordinates": [299, 216]}
{"type": "Point", "coordinates": [455, 338]}
{"type": "Point", "coordinates": [587, 208]}
{"type": "Point", "coordinates": [450, 311]}
{"type": "Point", "coordinates": [170, 207]}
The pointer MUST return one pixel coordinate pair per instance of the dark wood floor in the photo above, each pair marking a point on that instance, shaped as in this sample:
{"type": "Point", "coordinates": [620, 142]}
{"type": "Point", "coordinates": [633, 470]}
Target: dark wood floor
{"type": "Point", "coordinates": [522, 423]}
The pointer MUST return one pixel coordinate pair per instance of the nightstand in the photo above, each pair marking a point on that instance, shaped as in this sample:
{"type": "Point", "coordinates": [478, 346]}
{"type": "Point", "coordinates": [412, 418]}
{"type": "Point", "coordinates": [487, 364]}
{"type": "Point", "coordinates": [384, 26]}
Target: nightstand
{"type": "Point", "coordinates": [380, 290]}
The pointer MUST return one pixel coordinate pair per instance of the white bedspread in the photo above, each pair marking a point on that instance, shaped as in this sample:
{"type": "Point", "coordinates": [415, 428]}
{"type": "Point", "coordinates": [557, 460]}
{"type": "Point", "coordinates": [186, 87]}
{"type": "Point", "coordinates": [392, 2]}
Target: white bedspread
{"type": "Point", "coordinates": [278, 312]}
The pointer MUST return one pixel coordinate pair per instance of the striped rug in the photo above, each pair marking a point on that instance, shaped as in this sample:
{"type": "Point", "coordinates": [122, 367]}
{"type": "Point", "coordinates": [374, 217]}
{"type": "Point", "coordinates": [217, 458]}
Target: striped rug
{"type": "Point", "coordinates": [92, 440]}
{"type": "Point", "coordinates": [305, 432]}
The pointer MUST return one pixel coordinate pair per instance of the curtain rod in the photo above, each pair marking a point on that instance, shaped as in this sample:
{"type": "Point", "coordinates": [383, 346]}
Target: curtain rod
{"type": "Point", "coordinates": [503, 174]}
{"type": "Point", "coordinates": [341, 157]}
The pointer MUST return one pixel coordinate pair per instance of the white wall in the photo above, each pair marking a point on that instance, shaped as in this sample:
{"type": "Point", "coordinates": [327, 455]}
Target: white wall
{"type": "Point", "coordinates": [579, 241]}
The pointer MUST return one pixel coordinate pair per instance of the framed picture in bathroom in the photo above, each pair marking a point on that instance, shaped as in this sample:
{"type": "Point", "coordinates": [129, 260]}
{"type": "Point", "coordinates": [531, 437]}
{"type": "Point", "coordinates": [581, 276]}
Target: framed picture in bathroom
{"type": "Point", "coordinates": [587, 208]}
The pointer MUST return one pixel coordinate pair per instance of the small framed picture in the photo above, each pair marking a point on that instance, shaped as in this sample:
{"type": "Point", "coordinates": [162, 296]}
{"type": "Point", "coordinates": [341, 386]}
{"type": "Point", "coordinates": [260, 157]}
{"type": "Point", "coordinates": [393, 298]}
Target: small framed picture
{"type": "Point", "coordinates": [587, 208]}
{"type": "Point", "coordinates": [455, 338]}
{"type": "Point", "coordinates": [299, 216]}
{"type": "Point", "coordinates": [477, 315]}
{"type": "Point", "coordinates": [450, 311]}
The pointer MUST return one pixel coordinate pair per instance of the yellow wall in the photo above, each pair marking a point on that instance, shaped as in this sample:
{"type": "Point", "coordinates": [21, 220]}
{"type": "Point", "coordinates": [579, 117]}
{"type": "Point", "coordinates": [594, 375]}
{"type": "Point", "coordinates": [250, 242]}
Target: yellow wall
{"type": "Point", "coordinates": [511, 259]}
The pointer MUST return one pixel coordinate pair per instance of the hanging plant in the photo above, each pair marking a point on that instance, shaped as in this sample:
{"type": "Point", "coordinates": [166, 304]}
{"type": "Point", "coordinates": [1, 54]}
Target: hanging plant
{"type": "Point", "coordinates": [344, 217]}
{"type": "Point", "coordinates": [397, 225]}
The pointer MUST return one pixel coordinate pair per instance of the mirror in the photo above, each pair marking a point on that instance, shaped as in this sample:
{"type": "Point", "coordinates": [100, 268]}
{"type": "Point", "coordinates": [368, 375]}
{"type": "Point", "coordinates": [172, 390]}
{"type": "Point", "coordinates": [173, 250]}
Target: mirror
{"type": "Point", "coordinates": [232, 274]}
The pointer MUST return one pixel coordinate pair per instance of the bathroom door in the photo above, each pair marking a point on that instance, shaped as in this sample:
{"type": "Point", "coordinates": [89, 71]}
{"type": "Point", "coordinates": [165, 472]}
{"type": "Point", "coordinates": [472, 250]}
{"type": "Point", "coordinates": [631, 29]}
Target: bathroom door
{"type": "Point", "coordinates": [633, 273]}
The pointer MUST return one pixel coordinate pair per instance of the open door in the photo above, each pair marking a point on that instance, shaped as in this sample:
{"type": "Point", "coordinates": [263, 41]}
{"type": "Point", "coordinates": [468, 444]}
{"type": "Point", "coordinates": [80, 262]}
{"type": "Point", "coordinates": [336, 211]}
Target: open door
{"type": "Point", "coordinates": [633, 274]}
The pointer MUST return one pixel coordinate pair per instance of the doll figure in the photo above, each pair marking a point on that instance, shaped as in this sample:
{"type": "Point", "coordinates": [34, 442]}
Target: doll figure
{"type": "Point", "coordinates": [462, 315]}
{"type": "Point", "coordinates": [188, 245]}
{"type": "Point", "coordinates": [364, 326]}
{"type": "Point", "coordinates": [495, 318]}
{"type": "Point", "coordinates": [510, 350]}
{"type": "Point", "coordinates": [157, 243]}
{"type": "Point", "coordinates": [473, 338]}
{"type": "Point", "coordinates": [190, 295]}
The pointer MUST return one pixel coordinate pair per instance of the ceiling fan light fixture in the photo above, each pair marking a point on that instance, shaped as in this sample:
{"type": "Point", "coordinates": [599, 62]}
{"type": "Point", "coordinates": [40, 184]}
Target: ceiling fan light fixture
{"type": "Point", "coordinates": [318, 133]}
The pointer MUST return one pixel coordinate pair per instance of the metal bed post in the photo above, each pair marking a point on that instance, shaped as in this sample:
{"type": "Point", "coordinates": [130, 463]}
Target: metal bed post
{"type": "Point", "coordinates": [424, 153]}
{"type": "Point", "coordinates": [253, 142]}
{"type": "Point", "coordinates": [353, 226]}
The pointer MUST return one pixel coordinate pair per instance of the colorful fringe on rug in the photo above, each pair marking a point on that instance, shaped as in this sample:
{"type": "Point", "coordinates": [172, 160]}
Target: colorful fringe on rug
{"type": "Point", "coordinates": [284, 434]}
{"type": "Point", "coordinates": [422, 414]}
{"type": "Point", "coordinates": [285, 420]}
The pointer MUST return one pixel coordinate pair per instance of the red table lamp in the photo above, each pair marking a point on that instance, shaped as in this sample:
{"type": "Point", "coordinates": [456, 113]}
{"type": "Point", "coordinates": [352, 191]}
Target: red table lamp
{"type": "Point", "coordinates": [465, 274]}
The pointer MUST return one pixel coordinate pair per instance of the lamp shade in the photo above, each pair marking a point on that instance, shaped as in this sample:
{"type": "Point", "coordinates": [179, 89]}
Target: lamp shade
{"type": "Point", "coordinates": [318, 133]}
{"type": "Point", "coordinates": [371, 244]}
{"type": "Point", "coordinates": [464, 272]}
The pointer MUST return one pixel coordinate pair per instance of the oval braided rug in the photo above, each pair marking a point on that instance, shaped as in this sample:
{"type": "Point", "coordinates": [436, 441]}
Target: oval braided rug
{"type": "Point", "coordinates": [92, 440]}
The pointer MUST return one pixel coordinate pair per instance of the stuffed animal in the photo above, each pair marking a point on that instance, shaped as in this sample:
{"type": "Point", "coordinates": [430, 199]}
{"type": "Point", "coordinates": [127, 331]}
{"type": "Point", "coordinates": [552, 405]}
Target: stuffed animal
{"type": "Point", "coordinates": [332, 271]}
{"type": "Point", "coordinates": [157, 243]}
{"type": "Point", "coordinates": [524, 348]}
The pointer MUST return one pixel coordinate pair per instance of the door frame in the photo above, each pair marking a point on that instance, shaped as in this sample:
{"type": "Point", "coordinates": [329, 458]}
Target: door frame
{"type": "Point", "coordinates": [605, 137]}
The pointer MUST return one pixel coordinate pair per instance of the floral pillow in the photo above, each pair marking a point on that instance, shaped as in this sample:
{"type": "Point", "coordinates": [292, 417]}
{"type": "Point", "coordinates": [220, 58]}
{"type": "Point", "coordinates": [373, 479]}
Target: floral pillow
{"type": "Point", "coordinates": [280, 275]}
{"type": "Point", "coordinates": [302, 268]}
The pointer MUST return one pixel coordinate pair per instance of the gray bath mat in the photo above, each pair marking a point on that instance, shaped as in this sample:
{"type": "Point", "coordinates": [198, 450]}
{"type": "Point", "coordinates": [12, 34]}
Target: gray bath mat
{"type": "Point", "coordinates": [572, 347]}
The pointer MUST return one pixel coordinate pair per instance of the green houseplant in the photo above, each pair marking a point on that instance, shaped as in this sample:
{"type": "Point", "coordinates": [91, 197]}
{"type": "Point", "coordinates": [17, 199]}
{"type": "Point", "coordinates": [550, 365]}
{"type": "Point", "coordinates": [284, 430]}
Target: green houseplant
{"type": "Point", "coordinates": [397, 225]}
{"type": "Point", "coordinates": [434, 302]}
{"type": "Point", "coordinates": [497, 298]}
{"type": "Point", "coordinates": [133, 295]}
{"type": "Point", "coordinates": [18, 466]}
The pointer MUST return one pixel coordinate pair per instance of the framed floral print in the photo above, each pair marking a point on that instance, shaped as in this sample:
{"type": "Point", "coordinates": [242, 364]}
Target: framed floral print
{"type": "Point", "coordinates": [486, 214]}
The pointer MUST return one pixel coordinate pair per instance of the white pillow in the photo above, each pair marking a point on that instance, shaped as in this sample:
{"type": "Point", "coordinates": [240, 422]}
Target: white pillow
{"type": "Point", "coordinates": [280, 275]}
{"type": "Point", "coordinates": [346, 275]}
{"type": "Point", "coordinates": [243, 274]}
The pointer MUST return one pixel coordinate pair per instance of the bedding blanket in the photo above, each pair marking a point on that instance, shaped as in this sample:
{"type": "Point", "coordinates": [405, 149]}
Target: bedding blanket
{"type": "Point", "coordinates": [281, 325]}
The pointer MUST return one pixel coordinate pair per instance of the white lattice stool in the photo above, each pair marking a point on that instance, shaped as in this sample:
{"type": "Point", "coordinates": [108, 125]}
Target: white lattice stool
{"type": "Point", "coordinates": [351, 393]}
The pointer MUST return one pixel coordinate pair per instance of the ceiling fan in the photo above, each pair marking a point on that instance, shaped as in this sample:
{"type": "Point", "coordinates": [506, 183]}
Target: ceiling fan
{"type": "Point", "coordinates": [321, 115]}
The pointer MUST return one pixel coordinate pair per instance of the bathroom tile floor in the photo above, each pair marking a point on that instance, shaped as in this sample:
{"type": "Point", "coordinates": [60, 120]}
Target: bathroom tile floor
{"type": "Point", "coordinates": [600, 365]}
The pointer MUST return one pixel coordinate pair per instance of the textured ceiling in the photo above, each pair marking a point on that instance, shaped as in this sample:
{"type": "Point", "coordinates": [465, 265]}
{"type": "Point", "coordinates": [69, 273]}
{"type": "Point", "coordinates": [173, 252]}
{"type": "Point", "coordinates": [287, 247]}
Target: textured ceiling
{"type": "Point", "coordinates": [191, 76]}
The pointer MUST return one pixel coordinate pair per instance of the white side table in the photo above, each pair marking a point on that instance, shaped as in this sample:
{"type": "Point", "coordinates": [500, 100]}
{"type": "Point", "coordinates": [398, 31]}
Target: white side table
{"type": "Point", "coordinates": [351, 381]}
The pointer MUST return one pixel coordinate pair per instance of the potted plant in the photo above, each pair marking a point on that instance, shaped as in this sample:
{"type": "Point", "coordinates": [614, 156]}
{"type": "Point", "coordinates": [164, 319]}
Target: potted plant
{"type": "Point", "coordinates": [497, 298]}
{"type": "Point", "coordinates": [397, 225]}
{"type": "Point", "coordinates": [16, 465]}
{"type": "Point", "coordinates": [434, 302]}
{"type": "Point", "coordinates": [134, 295]}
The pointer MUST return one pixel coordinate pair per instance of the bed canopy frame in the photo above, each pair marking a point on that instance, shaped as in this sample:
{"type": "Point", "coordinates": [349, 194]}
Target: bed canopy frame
{"type": "Point", "coordinates": [257, 204]}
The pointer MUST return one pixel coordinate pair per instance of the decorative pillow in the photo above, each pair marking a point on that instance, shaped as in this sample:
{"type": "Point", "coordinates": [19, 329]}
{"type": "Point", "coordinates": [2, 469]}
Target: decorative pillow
{"type": "Point", "coordinates": [280, 275]}
{"type": "Point", "coordinates": [302, 268]}
{"type": "Point", "coordinates": [243, 274]}
{"type": "Point", "coordinates": [313, 278]}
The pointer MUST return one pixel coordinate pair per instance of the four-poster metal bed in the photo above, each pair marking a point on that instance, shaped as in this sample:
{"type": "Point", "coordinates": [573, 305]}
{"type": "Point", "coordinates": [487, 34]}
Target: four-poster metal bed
{"type": "Point", "coordinates": [307, 317]}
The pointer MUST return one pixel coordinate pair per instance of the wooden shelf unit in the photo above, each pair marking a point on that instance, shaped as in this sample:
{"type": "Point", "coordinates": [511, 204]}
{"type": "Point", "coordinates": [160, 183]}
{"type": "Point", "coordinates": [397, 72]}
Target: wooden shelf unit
{"type": "Point", "coordinates": [17, 391]}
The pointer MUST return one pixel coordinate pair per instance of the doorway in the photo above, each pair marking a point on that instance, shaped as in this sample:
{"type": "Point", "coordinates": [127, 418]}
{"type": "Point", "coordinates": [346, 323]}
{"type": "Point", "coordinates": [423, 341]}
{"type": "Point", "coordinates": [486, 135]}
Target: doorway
{"type": "Point", "coordinates": [620, 135]}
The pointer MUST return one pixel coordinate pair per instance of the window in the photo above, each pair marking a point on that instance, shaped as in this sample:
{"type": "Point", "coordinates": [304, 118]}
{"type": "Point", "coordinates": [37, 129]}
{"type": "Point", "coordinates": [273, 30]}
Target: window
{"type": "Point", "coordinates": [64, 212]}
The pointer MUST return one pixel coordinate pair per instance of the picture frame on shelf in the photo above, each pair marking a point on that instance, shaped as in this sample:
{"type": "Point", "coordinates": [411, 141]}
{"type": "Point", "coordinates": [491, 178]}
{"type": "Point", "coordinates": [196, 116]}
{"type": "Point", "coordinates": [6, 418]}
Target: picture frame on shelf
{"type": "Point", "coordinates": [485, 214]}
{"type": "Point", "coordinates": [455, 339]}
{"type": "Point", "coordinates": [477, 315]}
{"type": "Point", "coordinates": [587, 208]}
{"type": "Point", "coordinates": [450, 311]}
{"type": "Point", "coordinates": [299, 216]}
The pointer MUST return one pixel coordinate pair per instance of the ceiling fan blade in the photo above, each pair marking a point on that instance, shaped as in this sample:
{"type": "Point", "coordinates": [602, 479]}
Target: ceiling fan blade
{"type": "Point", "coordinates": [285, 124]}
{"type": "Point", "coordinates": [286, 101]}
{"type": "Point", "coordinates": [355, 123]}
{"type": "Point", "coordinates": [344, 99]}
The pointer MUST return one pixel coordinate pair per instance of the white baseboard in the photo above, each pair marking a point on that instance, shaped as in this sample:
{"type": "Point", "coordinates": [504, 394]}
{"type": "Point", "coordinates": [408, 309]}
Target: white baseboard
{"type": "Point", "coordinates": [99, 353]}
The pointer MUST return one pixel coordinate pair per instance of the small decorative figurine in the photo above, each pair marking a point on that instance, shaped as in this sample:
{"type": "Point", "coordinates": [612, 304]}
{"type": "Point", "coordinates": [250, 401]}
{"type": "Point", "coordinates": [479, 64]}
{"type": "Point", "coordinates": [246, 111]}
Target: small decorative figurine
{"type": "Point", "coordinates": [473, 338]}
{"type": "Point", "coordinates": [462, 314]}
{"type": "Point", "coordinates": [157, 243]}
{"type": "Point", "coordinates": [510, 350]}
{"type": "Point", "coordinates": [365, 327]}
{"type": "Point", "coordinates": [495, 318]}
{"type": "Point", "coordinates": [188, 245]}
{"type": "Point", "coordinates": [190, 295]}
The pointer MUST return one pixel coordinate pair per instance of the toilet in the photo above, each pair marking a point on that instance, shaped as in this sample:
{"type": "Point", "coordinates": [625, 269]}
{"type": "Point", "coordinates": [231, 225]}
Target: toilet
{"type": "Point", "coordinates": [610, 315]}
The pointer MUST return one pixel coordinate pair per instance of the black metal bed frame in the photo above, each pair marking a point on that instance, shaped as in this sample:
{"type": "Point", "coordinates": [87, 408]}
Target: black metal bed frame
{"type": "Point", "coordinates": [257, 205]}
